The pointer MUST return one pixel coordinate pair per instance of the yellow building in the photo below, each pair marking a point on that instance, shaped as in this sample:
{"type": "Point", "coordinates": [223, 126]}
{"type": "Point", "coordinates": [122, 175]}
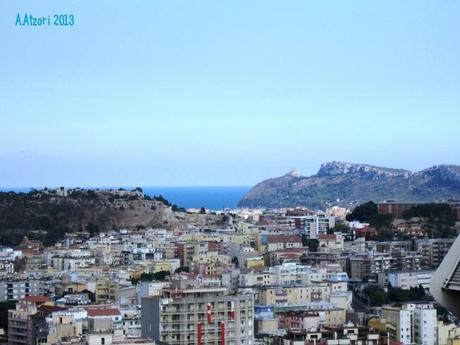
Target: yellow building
{"type": "Point", "coordinates": [106, 291]}
{"type": "Point", "coordinates": [162, 266]}
{"type": "Point", "coordinates": [378, 324]}
{"type": "Point", "coordinates": [212, 262]}
{"type": "Point", "coordinates": [290, 295]}
{"type": "Point", "coordinates": [448, 333]}
{"type": "Point", "coordinates": [255, 262]}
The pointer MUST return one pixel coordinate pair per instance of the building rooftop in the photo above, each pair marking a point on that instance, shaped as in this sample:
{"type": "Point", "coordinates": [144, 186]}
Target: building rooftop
{"type": "Point", "coordinates": [103, 312]}
{"type": "Point", "coordinates": [36, 299]}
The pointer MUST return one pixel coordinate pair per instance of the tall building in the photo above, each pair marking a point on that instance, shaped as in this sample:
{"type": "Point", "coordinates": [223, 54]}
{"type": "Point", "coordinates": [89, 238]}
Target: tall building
{"type": "Point", "coordinates": [369, 265]}
{"type": "Point", "coordinates": [433, 250]}
{"type": "Point", "coordinates": [313, 226]}
{"type": "Point", "coordinates": [26, 325]}
{"type": "Point", "coordinates": [199, 316]}
{"type": "Point", "coordinates": [398, 324]}
{"type": "Point", "coordinates": [425, 323]}
{"type": "Point", "coordinates": [412, 323]}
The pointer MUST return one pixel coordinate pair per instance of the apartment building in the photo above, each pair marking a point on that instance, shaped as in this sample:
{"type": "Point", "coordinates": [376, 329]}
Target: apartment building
{"type": "Point", "coordinates": [313, 226]}
{"type": "Point", "coordinates": [299, 320]}
{"type": "Point", "coordinates": [198, 316]}
{"type": "Point", "coordinates": [252, 278]}
{"type": "Point", "coordinates": [71, 260]}
{"type": "Point", "coordinates": [369, 265]}
{"type": "Point", "coordinates": [106, 291]}
{"type": "Point", "coordinates": [279, 242]}
{"type": "Point", "coordinates": [65, 324]}
{"type": "Point", "coordinates": [412, 323]}
{"type": "Point", "coordinates": [399, 324]}
{"type": "Point", "coordinates": [329, 313]}
{"type": "Point", "coordinates": [325, 258]}
{"type": "Point", "coordinates": [340, 335]}
{"type": "Point", "coordinates": [410, 279]}
{"type": "Point", "coordinates": [406, 260]}
{"type": "Point", "coordinates": [26, 325]}
{"type": "Point", "coordinates": [277, 219]}
{"type": "Point", "coordinates": [330, 242]}
{"type": "Point", "coordinates": [19, 289]}
{"type": "Point", "coordinates": [186, 251]}
{"type": "Point", "coordinates": [424, 324]}
{"type": "Point", "coordinates": [433, 251]}
{"type": "Point", "coordinates": [285, 295]}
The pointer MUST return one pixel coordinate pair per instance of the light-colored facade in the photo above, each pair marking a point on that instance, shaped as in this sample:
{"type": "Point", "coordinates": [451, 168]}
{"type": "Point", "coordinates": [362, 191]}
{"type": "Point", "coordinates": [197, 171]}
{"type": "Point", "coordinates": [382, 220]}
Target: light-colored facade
{"type": "Point", "coordinates": [410, 279]}
{"type": "Point", "coordinates": [198, 316]}
{"type": "Point", "coordinates": [369, 264]}
{"type": "Point", "coordinates": [412, 323]}
{"type": "Point", "coordinates": [313, 226]}
{"type": "Point", "coordinates": [16, 290]}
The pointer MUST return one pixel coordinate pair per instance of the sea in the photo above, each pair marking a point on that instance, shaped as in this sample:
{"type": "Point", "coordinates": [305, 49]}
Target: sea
{"type": "Point", "coordinates": [213, 198]}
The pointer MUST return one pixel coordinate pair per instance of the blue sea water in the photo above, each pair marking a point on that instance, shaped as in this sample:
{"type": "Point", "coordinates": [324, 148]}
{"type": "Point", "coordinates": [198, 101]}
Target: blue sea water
{"type": "Point", "coordinates": [213, 198]}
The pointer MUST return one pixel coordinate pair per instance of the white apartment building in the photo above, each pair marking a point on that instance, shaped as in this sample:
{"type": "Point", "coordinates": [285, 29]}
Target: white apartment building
{"type": "Point", "coordinates": [412, 323]}
{"type": "Point", "coordinates": [424, 324]}
{"type": "Point", "coordinates": [398, 323]}
{"type": "Point", "coordinates": [313, 226]}
{"type": "Point", "coordinates": [254, 278]}
{"type": "Point", "coordinates": [410, 279]}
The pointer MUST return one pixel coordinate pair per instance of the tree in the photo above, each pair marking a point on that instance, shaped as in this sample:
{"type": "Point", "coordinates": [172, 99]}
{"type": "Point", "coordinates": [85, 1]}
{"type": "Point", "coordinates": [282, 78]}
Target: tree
{"type": "Point", "coordinates": [421, 291]}
{"type": "Point", "coordinates": [401, 295]}
{"type": "Point", "coordinates": [176, 208]}
{"type": "Point", "coordinates": [161, 199]}
{"type": "Point", "coordinates": [311, 244]}
{"type": "Point", "coordinates": [381, 220]}
{"type": "Point", "coordinates": [91, 295]}
{"type": "Point", "coordinates": [440, 213]}
{"type": "Point", "coordinates": [182, 269]}
{"type": "Point", "coordinates": [148, 277]}
{"type": "Point", "coordinates": [54, 235]}
{"type": "Point", "coordinates": [376, 294]}
{"type": "Point", "coordinates": [202, 210]}
{"type": "Point", "coordinates": [363, 212]}
{"type": "Point", "coordinates": [162, 275]}
{"type": "Point", "coordinates": [340, 227]}
{"type": "Point", "coordinates": [92, 228]}
{"type": "Point", "coordinates": [368, 213]}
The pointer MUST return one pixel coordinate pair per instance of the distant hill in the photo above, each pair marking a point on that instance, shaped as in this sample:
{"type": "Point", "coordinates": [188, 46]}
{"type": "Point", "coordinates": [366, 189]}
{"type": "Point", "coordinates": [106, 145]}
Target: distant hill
{"type": "Point", "coordinates": [348, 184]}
{"type": "Point", "coordinates": [47, 214]}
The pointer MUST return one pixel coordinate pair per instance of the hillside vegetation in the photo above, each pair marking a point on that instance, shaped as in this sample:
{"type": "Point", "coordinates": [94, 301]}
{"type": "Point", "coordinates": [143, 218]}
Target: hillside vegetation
{"type": "Point", "coordinates": [48, 214]}
{"type": "Point", "coordinates": [347, 184]}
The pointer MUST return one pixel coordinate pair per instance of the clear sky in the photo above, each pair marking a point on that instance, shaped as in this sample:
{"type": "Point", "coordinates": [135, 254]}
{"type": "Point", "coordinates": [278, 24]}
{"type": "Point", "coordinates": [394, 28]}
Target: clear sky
{"type": "Point", "coordinates": [225, 92]}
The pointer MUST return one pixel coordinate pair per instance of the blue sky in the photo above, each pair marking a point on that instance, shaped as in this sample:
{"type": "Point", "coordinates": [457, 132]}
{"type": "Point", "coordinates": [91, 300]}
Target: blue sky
{"type": "Point", "coordinates": [225, 93]}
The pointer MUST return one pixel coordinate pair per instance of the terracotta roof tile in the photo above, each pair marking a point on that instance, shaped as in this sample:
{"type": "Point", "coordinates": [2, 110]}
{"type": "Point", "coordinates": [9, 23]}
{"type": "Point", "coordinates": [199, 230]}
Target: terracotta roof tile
{"type": "Point", "coordinates": [36, 299]}
{"type": "Point", "coordinates": [103, 312]}
{"type": "Point", "coordinates": [283, 238]}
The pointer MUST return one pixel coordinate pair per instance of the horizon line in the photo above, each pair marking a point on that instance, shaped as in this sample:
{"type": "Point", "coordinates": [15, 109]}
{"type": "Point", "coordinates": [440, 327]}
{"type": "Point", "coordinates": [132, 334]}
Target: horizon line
{"type": "Point", "coordinates": [2, 188]}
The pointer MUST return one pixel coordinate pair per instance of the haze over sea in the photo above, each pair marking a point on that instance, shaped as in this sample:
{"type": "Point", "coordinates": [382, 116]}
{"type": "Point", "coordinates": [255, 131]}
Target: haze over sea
{"type": "Point", "coordinates": [213, 198]}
